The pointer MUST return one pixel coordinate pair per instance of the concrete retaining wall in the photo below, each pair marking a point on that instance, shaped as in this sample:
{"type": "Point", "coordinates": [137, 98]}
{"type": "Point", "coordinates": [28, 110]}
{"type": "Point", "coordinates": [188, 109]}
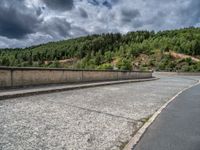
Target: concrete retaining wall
{"type": "Point", "coordinates": [14, 77]}
{"type": "Point", "coordinates": [177, 73]}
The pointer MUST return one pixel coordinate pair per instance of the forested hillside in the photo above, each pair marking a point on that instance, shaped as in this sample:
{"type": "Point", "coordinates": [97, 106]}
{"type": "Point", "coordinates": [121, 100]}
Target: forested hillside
{"type": "Point", "coordinates": [141, 50]}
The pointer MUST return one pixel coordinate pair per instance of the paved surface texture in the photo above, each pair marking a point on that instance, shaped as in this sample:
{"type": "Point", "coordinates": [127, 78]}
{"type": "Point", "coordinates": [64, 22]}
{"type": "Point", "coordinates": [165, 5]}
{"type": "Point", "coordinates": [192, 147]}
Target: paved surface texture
{"type": "Point", "coordinates": [100, 118]}
{"type": "Point", "coordinates": [177, 127]}
{"type": "Point", "coordinates": [35, 90]}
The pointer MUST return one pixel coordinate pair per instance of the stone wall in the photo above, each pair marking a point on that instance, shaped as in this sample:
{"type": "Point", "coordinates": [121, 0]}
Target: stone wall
{"type": "Point", "coordinates": [15, 77]}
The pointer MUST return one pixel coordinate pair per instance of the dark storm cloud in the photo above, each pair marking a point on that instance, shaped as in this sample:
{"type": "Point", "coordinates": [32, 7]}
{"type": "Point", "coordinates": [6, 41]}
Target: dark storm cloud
{"type": "Point", "coordinates": [60, 5]}
{"type": "Point", "coordinates": [56, 27]}
{"type": "Point", "coordinates": [137, 23]}
{"type": "Point", "coordinates": [29, 22]}
{"type": "Point", "coordinates": [83, 13]}
{"type": "Point", "coordinates": [39, 11]}
{"type": "Point", "coordinates": [14, 23]}
{"type": "Point", "coordinates": [114, 1]}
{"type": "Point", "coordinates": [107, 4]}
{"type": "Point", "coordinates": [78, 31]}
{"type": "Point", "coordinates": [190, 14]}
{"type": "Point", "coordinates": [93, 2]}
{"type": "Point", "coordinates": [158, 20]}
{"type": "Point", "coordinates": [128, 15]}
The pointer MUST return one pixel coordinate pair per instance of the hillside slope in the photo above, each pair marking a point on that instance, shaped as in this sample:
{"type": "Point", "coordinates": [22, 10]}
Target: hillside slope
{"type": "Point", "coordinates": [140, 50]}
{"type": "Point", "coordinates": [182, 56]}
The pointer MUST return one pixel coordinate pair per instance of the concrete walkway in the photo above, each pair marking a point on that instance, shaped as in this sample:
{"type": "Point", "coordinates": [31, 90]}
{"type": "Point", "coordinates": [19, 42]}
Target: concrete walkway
{"type": "Point", "coordinates": [177, 127]}
{"type": "Point", "coordinates": [27, 91]}
{"type": "Point", "coordinates": [99, 118]}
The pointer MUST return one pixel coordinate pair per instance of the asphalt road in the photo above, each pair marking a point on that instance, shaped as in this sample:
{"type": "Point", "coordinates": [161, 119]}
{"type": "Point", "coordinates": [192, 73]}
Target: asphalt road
{"type": "Point", "coordinates": [177, 127]}
{"type": "Point", "coordinates": [100, 118]}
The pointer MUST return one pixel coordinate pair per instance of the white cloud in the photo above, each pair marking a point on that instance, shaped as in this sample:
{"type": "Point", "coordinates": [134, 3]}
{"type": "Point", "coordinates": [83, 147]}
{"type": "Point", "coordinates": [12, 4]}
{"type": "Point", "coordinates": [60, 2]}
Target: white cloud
{"type": "Point", "coordinates": [116, 16]}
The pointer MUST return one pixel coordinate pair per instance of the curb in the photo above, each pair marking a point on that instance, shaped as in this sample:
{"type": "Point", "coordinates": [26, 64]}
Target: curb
{"type": "Point", "coordinates": [136, 138]}
{"type": "Point", "coordinates": [73, 87]}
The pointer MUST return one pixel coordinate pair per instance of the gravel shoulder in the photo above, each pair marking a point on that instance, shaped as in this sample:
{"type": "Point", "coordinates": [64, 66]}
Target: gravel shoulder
{"type": "Point", "coordinates": [100, 118]}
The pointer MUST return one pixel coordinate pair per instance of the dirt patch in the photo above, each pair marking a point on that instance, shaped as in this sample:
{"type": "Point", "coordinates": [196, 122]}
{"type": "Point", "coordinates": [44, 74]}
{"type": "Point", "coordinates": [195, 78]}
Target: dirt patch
{"type": "Point", "coordinates": [182, 56]}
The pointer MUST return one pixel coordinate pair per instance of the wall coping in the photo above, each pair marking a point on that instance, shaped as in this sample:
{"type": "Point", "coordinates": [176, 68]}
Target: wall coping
{"type": "Point", "coordinates": [65, 69]}
{"type": "Point", "coordinates": [175, 72]}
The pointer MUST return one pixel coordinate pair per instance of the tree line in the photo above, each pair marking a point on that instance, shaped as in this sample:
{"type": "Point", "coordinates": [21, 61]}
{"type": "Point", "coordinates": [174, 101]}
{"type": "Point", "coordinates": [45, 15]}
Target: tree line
{"type": "Point", "coordinates": [112, 51]}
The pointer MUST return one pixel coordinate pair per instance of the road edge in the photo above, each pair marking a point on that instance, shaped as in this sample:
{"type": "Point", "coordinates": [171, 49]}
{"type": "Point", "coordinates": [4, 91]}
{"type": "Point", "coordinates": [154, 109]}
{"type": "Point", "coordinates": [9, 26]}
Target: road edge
{"type": "Point", "coordinates": [73, 87]}
{"type": "Point", "coordinates": [136, 138]}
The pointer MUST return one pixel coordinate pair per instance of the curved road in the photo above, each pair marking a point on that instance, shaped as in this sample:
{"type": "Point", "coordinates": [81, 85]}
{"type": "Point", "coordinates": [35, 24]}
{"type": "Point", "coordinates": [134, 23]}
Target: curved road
{"type": "Point", "coordinates": [177, 127]}
{"type": "Point", "coordinates": [100, 118]}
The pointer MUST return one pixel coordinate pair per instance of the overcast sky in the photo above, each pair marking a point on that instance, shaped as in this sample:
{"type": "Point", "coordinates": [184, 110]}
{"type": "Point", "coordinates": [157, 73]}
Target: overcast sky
{"type": "Point", "coordinates": [30, 22]}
